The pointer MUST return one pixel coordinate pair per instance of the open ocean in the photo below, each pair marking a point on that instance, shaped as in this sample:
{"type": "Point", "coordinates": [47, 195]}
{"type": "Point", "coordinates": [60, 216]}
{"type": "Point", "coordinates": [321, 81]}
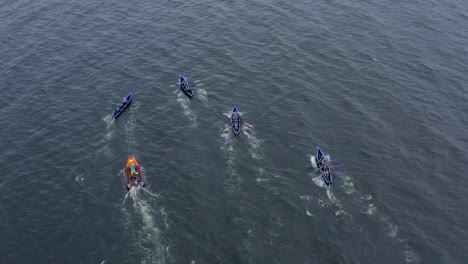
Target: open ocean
{"type": "Point", "coordinates": [381, 85]}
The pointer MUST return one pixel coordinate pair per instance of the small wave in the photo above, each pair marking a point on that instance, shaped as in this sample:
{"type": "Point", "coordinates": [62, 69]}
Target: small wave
{"type": "Point", "coordinates": [109, 120]}
{"type": "Point", "coordinates": [232, 182]}
{"type": "Point", "coordinates": [202, 95]}
{"type": "Point", "coordinates": [261, 171]}
{"type": "Point", "coordinates": [150, 234]}
{"type": "Point", "coordinates": [348, 185]}
{"type": "Point", "coordinates": [131, 124]}
{"type": "Point", "coordinates": [226, 133]}
{"type": "Point", "coordinates": [340, 213]}
{"type": "Point", "coordinates": [152, 194]}
{"type": "Point", "coordinates": [227, 145]}
{"type": "Point", "coordinates": [312, 161]}
{"type": "Point", "coordinates": [410, 256]}
{"type": "Point", "coordinates": [367, 197]}
{"type": "Point", "coordinates": [185, 104]}
{"type": "Point", "coordinates": [254, 144]}
{"type": "Point", "coordinates": [333, 198]}
{"type": "Point", "coordinates": [308, 213]}
{"type": "Point", "coordinates": [322, 203]}
{"type": "Point", "coordinates": [248, 126]}
{"type": "Point", "coordinates": [371, 209]}
{"type": "Point", "coordinates": [163, 213]}
{"type": "Point", "coordinates": [392, 230]}
{"type": "Point", "coordinates": [105, 141]}
{"type": "Point", "coordinates": [318, 181]}
{"type": "Point", "coordinates": [261, 179]}
{"type": "Point", "coordinates": [79, 178]}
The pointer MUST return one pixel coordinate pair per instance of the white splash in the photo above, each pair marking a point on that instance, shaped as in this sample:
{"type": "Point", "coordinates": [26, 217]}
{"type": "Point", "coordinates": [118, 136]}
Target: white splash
{"type": "Point", "coordinates": [131, 124]}
{"type": "Point", "coordinates": [254, 143]}
{"type": "Point", "coordinates": [313, 162]}
{"type": "Point", "coordinates": [348, 185]}
{"type": "Point", "coordinates": [150, 235]}
{"type": "Point", "coordinates": [410, 256]}
{"type": "Point", "coordinates": [184, 102]}
{"type": "Point", "coordinates": [319, 181]}
{"type": "Point", "coordinates": [227, 114]}
{"type": "Point", "coordinates": [157, 196]}
{"type": "Point", "coordinates": [340, 213]}
{"type": "Point", "coordinates": [333, 198]}
{"type": "Point", "coordinates": [232, 180]}
{"type": "Point", "coordinates": [322, 203]}
{"type": "Point", "coordinates": [247, 126]}
{"type": "Point", "coordinates": [79, 178]}
{"type": "Point", "coordinates": [371, 209]}
{"type": "Point", "coordinates": [202, 95]}
{"type": "Point", "coordinates": [392, 230]}
{"type": "Point", "coordinates": [226, 133]}
{"type": "Point", "coordinates": [337, 203]}
{"type": "Point", "coordinates": [109, 120]}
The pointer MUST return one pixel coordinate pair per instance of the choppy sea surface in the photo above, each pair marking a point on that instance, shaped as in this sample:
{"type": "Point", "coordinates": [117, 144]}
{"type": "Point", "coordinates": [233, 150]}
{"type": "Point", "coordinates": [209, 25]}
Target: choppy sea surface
{"type": "Point", "coordinates": [380, 86]}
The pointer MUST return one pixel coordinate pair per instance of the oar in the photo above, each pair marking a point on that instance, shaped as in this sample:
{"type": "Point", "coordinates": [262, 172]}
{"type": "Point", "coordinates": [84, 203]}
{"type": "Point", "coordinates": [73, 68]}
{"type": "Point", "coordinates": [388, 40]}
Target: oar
{"type": "Point", "coordinates": [330, 167]}
{"type": "Point", "coordinates": [310, 165]}
{"type": "Point", "coordinates": [192, 85]}
{"type": "Point", "coordinates": [195, 84]}
{"type": "Point", "coordinates": [337, 159]}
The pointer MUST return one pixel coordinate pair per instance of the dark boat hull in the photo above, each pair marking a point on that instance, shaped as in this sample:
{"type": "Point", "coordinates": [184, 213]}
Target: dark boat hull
{"type": "Point", "coordinates": [318, 156]}
{"type": "Point", "coordinates": [239, 125]}
{"type": "Point", "coordinates": [128, 176]}
{"type": "Point", "coordinates": [189, 93]}
{"type": "Point", "coordinates": [120, 109]}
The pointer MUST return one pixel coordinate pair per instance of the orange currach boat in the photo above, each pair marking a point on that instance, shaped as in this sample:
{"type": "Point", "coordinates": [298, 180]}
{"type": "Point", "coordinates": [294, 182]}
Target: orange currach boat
{"type": "Point", "coordinates": [133, 173]}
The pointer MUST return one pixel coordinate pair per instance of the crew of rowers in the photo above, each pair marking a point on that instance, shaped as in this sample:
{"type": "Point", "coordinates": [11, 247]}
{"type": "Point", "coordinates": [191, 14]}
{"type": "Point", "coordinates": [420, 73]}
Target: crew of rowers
{"type": "Point", "coordinates": [324, 168]}
{"type": "Point", "coordinates": [235, 119]}
{"type": "Point", "coordinates": [186, 85]}
{"type": "Point", "coordinates": [133, 174]}
{"type": "Point", "coordinates": [124, 101]}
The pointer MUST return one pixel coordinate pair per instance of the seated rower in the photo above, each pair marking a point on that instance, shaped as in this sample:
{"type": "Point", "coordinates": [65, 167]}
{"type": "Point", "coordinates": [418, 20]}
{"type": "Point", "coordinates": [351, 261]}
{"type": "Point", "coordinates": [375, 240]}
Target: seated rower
{"type": "Point", "coordinates": [186, 85]}
{"type": "Point", "coordinates": [124, 101]}
{"type": "Point", "coordinates": [322, 159]}
{"type": "Point", "coordinates": [134, 181]}
{"type": "Point", "coordinates": [324, 167]}
{"type": "Point", "coordinates": [235, 117]}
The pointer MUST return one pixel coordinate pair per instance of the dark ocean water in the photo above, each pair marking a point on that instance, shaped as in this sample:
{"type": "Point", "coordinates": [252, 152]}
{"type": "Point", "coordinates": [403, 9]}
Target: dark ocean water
{"type": "Point", "coordinates": [382, 84]}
